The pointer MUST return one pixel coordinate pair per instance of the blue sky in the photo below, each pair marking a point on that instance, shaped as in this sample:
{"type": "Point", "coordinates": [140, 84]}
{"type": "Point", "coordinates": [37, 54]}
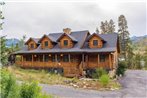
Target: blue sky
{"type": "Point", "coordinates": [35, 18]}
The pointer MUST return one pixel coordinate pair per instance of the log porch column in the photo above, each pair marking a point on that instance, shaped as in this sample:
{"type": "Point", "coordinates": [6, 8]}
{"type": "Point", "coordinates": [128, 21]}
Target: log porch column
{"type": "Point", "coordinates": [56, 60]}
{"type": "Point", "coordinates": [110, 60]}
{"type": "Point", "coordinates": [69, 57]}
{"type": "Point", "coordinates": [83, 60]}
{"type": "Point", "coordinates": [87, 60]}
{"type": "Point", "coordinates": [43, 60]}
{"type": "Point", "coordinates": [32, 59]}
{"type": "Point", "coordinates": [114, 61]}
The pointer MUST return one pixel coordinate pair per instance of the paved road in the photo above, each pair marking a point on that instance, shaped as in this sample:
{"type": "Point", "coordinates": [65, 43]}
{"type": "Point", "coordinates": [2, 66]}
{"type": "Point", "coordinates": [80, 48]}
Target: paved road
{"type": "Point", "coordinates": [134, 86]}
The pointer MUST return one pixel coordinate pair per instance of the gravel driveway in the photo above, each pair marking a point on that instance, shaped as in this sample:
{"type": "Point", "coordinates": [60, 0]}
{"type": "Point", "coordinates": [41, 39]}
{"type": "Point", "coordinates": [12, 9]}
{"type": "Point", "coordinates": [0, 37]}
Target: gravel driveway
{"type": "Point", "coordinates": [134, 86]}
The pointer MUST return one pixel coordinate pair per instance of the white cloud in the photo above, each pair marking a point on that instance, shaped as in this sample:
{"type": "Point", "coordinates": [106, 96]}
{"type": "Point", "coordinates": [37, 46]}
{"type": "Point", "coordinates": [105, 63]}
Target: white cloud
{"type": "Point", "coordinates": [36, 18]}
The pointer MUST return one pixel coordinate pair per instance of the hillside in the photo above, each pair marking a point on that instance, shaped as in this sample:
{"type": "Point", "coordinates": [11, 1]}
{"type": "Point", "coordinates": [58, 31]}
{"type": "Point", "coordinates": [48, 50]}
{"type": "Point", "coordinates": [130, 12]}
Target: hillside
{"type": "Point", "coordinates": [11, 42]}
{"type": "Point", "coordinates": [139, 43]}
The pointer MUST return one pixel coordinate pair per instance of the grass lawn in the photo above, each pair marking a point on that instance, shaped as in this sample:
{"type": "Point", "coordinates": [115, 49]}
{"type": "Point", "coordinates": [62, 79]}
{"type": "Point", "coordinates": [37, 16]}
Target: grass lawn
{"type": "Point", "coordinates": [45, 77]}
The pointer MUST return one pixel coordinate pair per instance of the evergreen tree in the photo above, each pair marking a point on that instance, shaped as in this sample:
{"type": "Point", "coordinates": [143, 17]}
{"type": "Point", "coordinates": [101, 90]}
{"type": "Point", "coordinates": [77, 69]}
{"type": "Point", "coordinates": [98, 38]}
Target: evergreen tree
{"type": "Point", "coordinates": [123, 35]}
{"type": "Point", "coordinates": [97, 30]}
{"type": "Point", "coordinates": [22, 41]}
{"type": "Point", "coordinates": [4, 51]}
{"type": "Point", "coordinates": [103, 30]}
{"type": "Point", "coordinates": [111, 26]}
{"type": "Point", "coordinates": [1, 17]}
{"type": "Point", "coordinates": [107, 27]}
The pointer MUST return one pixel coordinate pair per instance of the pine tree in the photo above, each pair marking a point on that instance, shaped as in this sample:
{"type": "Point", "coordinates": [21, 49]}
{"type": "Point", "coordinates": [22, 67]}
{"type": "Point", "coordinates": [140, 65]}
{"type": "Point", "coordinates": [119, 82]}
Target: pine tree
{"type": "Point", "coordinates": [123, 35]}
{"type": "Point", "coordinates": [107, 27]}
{"type": "Point", "coordinates": [97, 30]}
{"type": "Point", "coordinates": [103, 30]}
{"type": "Point", "coordinates": [22, 41]}
{"type": "Point", "coordinates": [111, 26]}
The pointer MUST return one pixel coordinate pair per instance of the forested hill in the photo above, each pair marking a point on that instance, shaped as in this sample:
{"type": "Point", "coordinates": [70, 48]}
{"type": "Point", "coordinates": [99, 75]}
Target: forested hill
{"type": "Point", "coordinates": [140, 41]}
{"type": "Point", "coordinates": [12, 42]}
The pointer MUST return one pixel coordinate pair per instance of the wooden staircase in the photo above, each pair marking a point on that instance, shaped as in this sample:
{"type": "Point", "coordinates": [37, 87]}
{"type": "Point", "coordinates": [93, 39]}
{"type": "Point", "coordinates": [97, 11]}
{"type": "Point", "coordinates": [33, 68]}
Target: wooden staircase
{"type": "Point", "coordinates": [73, 71]}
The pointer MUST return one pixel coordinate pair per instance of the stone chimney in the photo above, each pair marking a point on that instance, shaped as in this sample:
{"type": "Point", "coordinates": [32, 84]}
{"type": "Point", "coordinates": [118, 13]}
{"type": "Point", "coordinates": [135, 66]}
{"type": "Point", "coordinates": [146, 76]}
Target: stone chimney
{"type": "Point", "coordinates": [67, 30]}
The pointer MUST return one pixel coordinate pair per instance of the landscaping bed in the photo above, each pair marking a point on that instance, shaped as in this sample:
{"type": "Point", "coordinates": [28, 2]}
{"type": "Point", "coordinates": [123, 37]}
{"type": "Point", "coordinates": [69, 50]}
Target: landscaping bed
{"type": "Point", "coordinates": [45, 77]}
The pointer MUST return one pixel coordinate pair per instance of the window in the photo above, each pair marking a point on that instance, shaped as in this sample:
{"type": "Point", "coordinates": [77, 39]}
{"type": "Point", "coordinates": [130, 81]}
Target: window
{"type": "Point", "coordinates": [28, 58]}
{"type": "Point", "coordinates": [58, 58]}
{"type": "Point", "coordinates": [46, 58]}
{"type": "Point", "coordinates": [65, 42]}
{"type": "Point", "coordinates": [102, 58]}
{"type": "Point", "coordinates": [65, 58]}
{"type": "Point", "coordinates": [40, 58]}
{"type": "Point", "coordinates": [53, 58]}
{"type": "Point", "coordinates": [46, 43]}
{"type": "Point", "coordinates": [32, 46]}
{"type": "Point", "coordinates": [95, 42]}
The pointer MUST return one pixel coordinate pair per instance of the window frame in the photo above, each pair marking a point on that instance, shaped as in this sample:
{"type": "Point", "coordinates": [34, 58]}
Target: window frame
{"type": "Point", "coordinates": [65, 58]}
{"type": "Point", "coordinates": [102, 57]}
{"type": "Point", "coordinates": [32, 46]}
{"type": "Point", "coordinates": [65, 42]}
{"type": "Point", "coordinates": [95, 42]}
{"type": "Point", "coordinates": [45, 43]}
{"type": "Point", "coordinates": [46, 58]}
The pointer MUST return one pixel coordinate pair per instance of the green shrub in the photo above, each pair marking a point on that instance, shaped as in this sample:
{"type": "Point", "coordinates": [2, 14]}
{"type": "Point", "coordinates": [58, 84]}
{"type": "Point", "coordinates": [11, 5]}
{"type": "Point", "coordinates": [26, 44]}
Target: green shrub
{"type": "Point", "coordinates": [98, 73]}
{"type": "Point", "coordinates": [32, 90]}
{"type": "Point", "coordinates": [9, 89]}
{"type": "Point", "coordinates": [104, 80]}
{"type": "Point", "coordinates": [121, 68]}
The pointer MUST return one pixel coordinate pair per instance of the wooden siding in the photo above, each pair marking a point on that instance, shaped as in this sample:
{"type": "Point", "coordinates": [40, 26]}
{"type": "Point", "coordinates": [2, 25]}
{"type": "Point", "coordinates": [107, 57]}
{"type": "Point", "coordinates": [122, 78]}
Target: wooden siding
{"type": "Point", "coordinates": [100, 43]}
{"type": "Point", "coordinates": [70, 43]}
{"type": "Point", "coordinates": [50, 44]}
{"type": "Point", "coordinates": [29, 45]}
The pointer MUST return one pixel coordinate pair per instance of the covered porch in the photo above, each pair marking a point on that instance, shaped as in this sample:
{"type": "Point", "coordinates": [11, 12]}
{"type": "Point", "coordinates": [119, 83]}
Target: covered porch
{"type": "Point", "coordinates": [72, 64]}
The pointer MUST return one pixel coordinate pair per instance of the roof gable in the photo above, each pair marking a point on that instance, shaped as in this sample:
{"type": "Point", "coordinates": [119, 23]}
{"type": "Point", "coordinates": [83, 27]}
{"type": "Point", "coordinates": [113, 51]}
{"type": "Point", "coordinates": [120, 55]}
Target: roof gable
{"type": "Point", "coordinates": [68, 35]}
{"type": "Point", "coordinates": [49, 37]}
{"type": "Point", "coordinates": [94, 34]}
{"type": "Point", "coordinates": [33, 39]}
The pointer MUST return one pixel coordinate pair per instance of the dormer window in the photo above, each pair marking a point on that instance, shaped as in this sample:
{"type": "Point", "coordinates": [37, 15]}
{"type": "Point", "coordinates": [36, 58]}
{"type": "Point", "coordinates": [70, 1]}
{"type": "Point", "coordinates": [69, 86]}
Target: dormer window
{"type": "Point", "coordinates": [65, 42]}
{"type": "Point", "coordinates": [95, 42]}
{"type": "Point", "coordinates": [32, 46]}
{"type": "Point", "coordinates": [46, 43]}
{"type": "Point", "coordinates": [32, 43]}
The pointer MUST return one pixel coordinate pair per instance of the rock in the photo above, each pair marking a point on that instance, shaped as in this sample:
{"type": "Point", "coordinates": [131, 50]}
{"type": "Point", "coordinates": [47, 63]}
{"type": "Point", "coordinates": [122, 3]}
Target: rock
{"type": "Point", "coordinates": [84, 86]}
{"type": "Point", "coordinates": [67, 81]}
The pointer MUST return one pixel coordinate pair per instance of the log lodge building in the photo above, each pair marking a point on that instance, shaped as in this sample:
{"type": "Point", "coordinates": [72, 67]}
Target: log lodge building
{"type": "Point", "coordinates": [73, 53]}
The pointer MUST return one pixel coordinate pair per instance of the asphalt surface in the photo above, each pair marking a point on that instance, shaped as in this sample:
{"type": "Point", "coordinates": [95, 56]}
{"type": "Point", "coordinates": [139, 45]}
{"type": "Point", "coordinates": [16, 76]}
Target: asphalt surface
{"type": "Point", "coordinates": [134, 85]}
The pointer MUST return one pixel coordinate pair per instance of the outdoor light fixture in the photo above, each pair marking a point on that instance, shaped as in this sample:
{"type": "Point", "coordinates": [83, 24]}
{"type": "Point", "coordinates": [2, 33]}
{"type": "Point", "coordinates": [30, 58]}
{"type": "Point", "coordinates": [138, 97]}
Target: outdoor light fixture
{"type": "Point", "coordinates": [49, 55]}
